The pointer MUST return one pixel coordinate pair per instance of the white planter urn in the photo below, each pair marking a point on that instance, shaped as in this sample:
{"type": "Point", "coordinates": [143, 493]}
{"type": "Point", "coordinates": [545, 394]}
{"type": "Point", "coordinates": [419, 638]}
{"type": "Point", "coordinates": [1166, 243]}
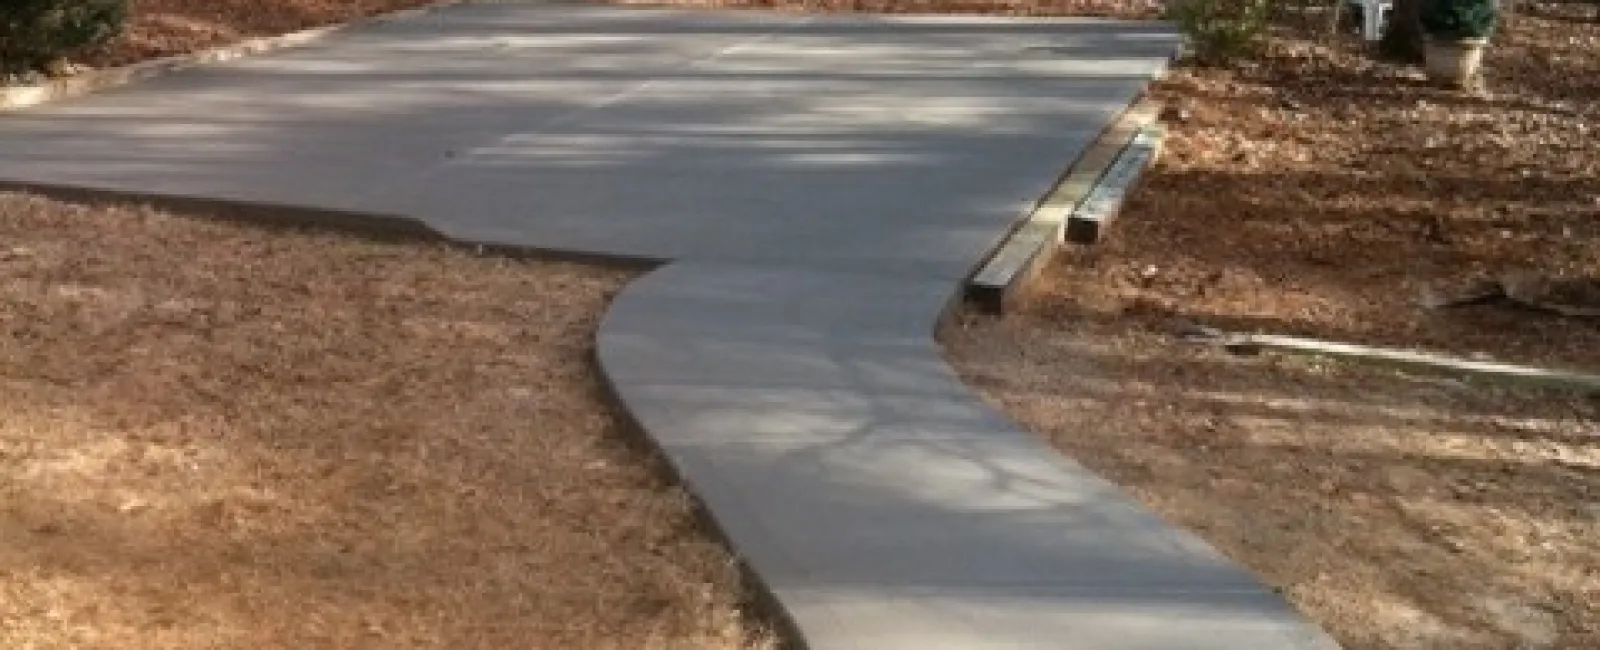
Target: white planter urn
{"type": "Point", "coordinates": [1455, 63]}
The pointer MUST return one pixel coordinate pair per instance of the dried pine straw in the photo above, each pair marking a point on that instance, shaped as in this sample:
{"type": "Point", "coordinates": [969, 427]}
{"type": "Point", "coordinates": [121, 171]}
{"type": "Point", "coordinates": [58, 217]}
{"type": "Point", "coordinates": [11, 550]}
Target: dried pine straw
{"type": "Point", "coordinates": [1315, 192]}
{"type": "Point", "coordinates": [158, 28]}
{"type": "Point", "coordinates": [214, 435]}
{"type": "Point", "coordinates": [1396, 511]}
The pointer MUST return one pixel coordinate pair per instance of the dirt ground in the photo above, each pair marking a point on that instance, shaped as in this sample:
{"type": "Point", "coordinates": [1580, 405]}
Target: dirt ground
{"type": "Point", "coordinates": [214, 435]}
{"type": "Point", "coordinates": [1314, 191]}
{"type": "Point", "coordinates": [1400, 513]}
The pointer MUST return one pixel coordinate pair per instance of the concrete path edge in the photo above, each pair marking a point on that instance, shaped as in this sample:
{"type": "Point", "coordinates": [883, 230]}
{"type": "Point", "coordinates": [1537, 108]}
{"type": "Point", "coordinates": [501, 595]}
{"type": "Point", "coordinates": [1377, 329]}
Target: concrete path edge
{"type": "Point", "coordinates": [738, 375]}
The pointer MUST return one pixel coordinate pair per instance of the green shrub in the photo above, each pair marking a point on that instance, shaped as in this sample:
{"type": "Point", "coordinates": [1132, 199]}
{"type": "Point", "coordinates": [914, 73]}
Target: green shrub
{"type": "Point", "coordinates": [1458, 19]}
{"type": "Point", "coordinates": [1219, 31]}
{"type": "Point", "coordinates": [34, 33]}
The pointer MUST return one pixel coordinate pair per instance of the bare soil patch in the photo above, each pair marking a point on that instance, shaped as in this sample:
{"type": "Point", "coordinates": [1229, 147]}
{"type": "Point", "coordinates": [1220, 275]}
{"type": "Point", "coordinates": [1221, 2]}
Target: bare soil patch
{"type": "Point", "coordinates": [1399, 512]}
{"type": "Point", "coordinates": [214, 435]}
{"type": "Point", "coordinates": [1313, 191]}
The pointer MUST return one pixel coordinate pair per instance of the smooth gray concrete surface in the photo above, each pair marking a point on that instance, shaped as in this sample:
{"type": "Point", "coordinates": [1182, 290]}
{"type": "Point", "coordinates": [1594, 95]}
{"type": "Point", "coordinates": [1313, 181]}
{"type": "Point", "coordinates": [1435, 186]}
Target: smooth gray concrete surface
{"type": "Point", "coordinates": [820, 185]}
{"type": "Point", "coordinates": [881, 502]}
{"type": "Point", "coordinates": [1046, 618]}
{"type": "Point", "coordinates": [648, 133]}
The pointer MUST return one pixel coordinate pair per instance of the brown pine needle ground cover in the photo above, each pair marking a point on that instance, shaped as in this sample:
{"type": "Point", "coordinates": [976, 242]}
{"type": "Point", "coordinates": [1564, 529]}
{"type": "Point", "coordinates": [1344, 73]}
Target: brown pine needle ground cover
{"type": "Point", "coordinates": [1314, 192]}
{"type": "Point", "coordinates": [159, 28]}
{"type": "Point", "coordinates": [1401, 513]}
{"type": "Point", "coordinates": [215, 435]}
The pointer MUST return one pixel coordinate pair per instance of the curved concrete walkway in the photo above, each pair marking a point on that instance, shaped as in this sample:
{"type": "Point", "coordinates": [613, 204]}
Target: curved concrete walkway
{"type": "Point", "coordinates": [879, 501]}
{"type": "Point", "coordinates": [820, 186]}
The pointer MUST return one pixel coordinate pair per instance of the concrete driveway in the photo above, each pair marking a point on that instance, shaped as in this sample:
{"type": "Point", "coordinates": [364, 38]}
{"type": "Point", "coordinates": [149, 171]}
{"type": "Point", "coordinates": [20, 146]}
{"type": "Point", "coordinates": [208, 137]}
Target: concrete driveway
{"type": "Point", "coordinates": [818, 187]}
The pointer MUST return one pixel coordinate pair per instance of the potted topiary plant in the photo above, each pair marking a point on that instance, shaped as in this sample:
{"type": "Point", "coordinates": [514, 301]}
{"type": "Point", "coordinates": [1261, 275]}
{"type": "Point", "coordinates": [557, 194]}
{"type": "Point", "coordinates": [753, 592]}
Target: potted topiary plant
{"type": "Point", "coordinates": [1458, 31]}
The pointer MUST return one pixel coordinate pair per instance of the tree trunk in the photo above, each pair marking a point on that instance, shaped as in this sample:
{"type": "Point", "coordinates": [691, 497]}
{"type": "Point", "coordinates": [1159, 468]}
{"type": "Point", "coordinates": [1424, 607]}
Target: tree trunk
{"type": "Point", "coordinates": [1402, 39]}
